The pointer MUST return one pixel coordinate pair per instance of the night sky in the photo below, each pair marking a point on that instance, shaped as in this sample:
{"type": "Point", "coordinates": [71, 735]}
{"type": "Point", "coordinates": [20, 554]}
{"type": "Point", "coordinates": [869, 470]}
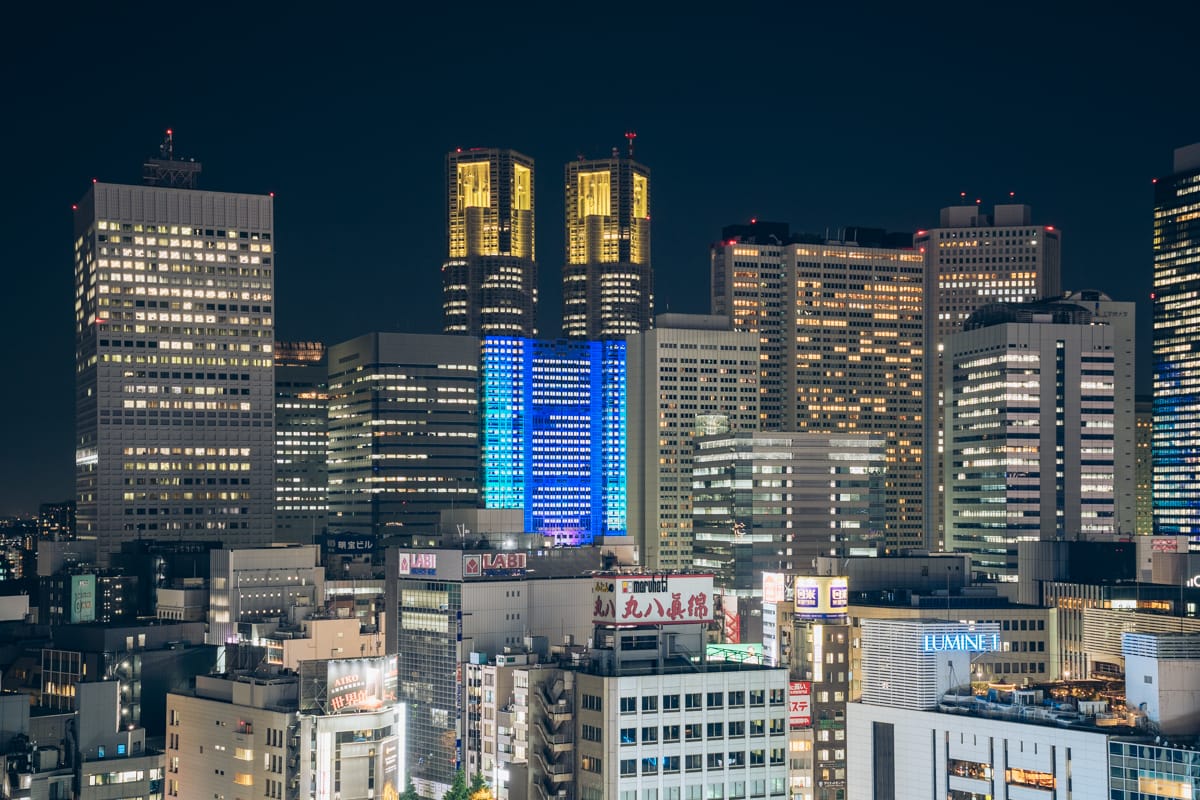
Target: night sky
{"type": "Point", "coordinates": [820, 118]}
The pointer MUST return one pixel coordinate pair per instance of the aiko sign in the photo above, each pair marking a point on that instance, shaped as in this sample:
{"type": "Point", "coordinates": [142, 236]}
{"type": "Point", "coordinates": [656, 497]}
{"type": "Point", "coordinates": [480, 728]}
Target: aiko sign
{"type": "Point", "coordinates": [966, 641]}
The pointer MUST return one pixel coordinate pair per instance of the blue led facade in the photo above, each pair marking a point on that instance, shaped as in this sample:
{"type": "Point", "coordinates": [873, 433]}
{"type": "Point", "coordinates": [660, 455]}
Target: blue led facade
{"type": "Point", "coordinates": [553, 418]}
{"type": "Point", "coordinates": [1176, 436]}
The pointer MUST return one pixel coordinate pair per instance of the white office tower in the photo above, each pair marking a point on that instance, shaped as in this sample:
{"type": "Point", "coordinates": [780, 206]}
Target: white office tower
{"type": "Point", "coordinates": [174, 331]}
{"type": "Point", "coordinates": [1031, 453]}
{"type": "Point", "coordinates": [688, 372]}
{"type": "Point", "coordinates": [972, 259]}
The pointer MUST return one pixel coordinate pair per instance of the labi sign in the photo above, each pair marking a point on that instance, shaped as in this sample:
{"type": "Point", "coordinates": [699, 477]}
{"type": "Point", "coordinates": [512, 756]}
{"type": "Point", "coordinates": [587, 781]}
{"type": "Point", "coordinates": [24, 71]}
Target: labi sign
{"type": "Point", "coordinates": [966, 641]}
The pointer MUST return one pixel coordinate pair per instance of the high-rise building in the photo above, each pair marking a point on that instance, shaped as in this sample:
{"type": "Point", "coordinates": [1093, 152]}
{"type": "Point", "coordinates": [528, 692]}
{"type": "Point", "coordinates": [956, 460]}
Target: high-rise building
{"type": "Point", "coordinates": [174, 331]}
{"type": "Point", "coordinates": [608, 283]}
{"type": "Point", "coordinates": [972, 259]}
{"type": "Point", "coordinates": [1143, 471]}
{"type": "Point", "coordinates": [489, 279]}
{"type": "Point", "coordinates": [687, 374]}
{"type": "Point", "coordinates": [554, 435]}
{"type": "Point", "coordinates": [301, 441]}
{"type": "Point", "coordinates": [773, 500]}
{"type": "Point", "coordinates": [1176, 445]}
{"type": "Point", "coordinates": [403, 432]}
{"type": "Point", "coordinates": [841, 337]}
{"type": "Point", "coordinates": [1030, 420]}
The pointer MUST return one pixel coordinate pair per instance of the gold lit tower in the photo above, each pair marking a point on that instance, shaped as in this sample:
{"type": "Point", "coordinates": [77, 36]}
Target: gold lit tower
{"type": "Point", "coordinates": [489, 280]}
{"type": "Point", "coordinates": [608, 284]}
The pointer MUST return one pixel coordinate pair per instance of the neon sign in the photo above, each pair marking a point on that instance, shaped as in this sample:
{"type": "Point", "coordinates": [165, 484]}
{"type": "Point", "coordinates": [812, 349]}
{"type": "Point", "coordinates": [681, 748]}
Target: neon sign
{"type": "Point", "coordinates": [968, 642]}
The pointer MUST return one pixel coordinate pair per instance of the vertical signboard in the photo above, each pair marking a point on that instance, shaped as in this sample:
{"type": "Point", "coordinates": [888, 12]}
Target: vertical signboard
{"type": "Point", "coordinates": [800, 704]}
{"type": "Point", "coordinates": [83, 598]}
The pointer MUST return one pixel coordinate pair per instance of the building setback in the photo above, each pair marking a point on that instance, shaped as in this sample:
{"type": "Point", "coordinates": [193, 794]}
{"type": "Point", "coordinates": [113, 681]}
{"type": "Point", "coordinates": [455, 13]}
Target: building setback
{"type": "Point", "coordinates": [174, 331]}
{"type": "Point", "coordinates": [489, 279]}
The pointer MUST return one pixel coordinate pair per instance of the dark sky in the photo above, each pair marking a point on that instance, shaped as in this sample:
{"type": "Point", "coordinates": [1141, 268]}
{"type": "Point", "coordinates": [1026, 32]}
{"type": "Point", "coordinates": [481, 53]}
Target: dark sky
{"type": "Point", "coordinates": [821, 118]}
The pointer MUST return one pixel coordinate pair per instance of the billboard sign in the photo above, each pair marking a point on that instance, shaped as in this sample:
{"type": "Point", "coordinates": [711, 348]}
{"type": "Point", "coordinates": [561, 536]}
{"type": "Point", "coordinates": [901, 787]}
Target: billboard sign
{"type": "Point", "coordinates": [83, 598]}
{"type": "Point", "coordinates": [478, 565]}
{"type": "Point", "coordinates": [774, 587]}
{"type": "Point", "coordinates": [418, 563]}
{"type": "Point", "coordinates": [390, 769]}
{"type": "Point", "coordinates": [822, 597]}
{"type": "Point", "coordinates": [1163, 544]}
{"type": "Point", "coordinates": [346, 685]}
{"type": "Point", "coordinates": [731, 622]}
{"type": "Point", "coordinates": [349, 544]}
{"type": "Point", "coordinates": [652, 599]}
{"type": "Point", "coordinates": [966, 641]}
{"type": "Point", "coordinates": [800, 704]}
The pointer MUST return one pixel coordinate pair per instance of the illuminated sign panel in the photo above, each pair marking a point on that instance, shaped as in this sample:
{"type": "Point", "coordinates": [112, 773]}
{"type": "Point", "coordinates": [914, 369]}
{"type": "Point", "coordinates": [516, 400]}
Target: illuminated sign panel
{"type": "Point", "coordinates": [652, 599]}
{"type": "Point", "coordinates": [821, 597]}
{"type": "Point", "coordinates": [418, 563]}
{"type": "Point", "coordinates": [967, 641]}
{"type": "Point", "coordinates": [346, 685]}
{"type": "Point", "coordinates": [774, 587]}
{"type": "Point", "coordinates": [83, 598]}
{"type": "Point", "coordinates": [800, 704]}
{"type": "Point", "coordinates": [477, 565]}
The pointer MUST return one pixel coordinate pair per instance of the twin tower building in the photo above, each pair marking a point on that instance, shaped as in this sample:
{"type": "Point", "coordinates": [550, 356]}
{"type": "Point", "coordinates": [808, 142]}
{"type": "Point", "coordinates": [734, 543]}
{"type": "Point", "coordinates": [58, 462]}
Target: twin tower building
{"type": "Point", "coordinates": [489, 279]}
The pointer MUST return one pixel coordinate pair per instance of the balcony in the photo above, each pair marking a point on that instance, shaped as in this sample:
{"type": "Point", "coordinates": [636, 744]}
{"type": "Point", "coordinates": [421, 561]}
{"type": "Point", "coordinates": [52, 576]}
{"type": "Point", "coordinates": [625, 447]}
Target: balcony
{"type": "Point", "coordinates": [558, 743]}
{"type": "Point", "coordinates": [557, 711]}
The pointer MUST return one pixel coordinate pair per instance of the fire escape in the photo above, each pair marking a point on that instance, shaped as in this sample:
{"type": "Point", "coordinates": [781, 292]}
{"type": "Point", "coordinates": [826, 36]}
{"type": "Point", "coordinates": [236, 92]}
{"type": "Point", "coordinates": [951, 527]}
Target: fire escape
{"type": "Point", "coordinates": [553, 744]}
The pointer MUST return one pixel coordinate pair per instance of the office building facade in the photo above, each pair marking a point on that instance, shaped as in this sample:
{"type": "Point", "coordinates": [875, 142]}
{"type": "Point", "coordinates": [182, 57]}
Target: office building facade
{"type": "Point", "coordinates": [1143, 472]}
{"type": "Point", "coordinates": [687, 374]}
{"type": "Point", "coordinates": [608, 283]}
{"type": "Point", "coordinates": [403, 432]}
{"type": "Point", "coordinates": [841, 331]}
{"type": "Point", "coordinates": [489, 279]}
{"type": "Point", "coordinates": [554, 435]}
{"type": "Point", "coordinates": [775, 501]}
{"type": "Point", "coordinates": [1176, 361]}
{"type": "Point", "coordinates": [174, 332]}
{"type": "Point", "coordinates": [1030, 442]}
{"type": "Point", "coordinates": [301, 441]}
{"type": "Point", "coordinates": [972, 259]}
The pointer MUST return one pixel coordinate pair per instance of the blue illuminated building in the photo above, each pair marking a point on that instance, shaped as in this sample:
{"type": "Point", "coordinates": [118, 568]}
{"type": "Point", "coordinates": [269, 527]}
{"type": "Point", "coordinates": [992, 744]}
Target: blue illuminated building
{"type": "Point", "coordinates": [1175, 444]}
{"type": "Point", "coordinates": [553, 416]}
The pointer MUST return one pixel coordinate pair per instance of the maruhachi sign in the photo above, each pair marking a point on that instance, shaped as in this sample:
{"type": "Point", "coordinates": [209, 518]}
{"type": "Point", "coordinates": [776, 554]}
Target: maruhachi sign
{"type": "Point", "coordinates": [663, 599]}
{"type": "Point", "coordinates": [967, 641]}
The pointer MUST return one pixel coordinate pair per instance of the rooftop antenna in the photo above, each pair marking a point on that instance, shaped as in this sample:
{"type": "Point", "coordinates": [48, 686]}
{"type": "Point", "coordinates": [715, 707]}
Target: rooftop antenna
{"type": "Point", "coordinates": [630, 135]}
{"type": "Point", "coordinates": [168, 171]}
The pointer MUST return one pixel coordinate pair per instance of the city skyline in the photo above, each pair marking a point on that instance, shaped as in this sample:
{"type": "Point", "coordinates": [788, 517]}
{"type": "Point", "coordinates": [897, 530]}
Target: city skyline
{"type": "Point", "coordinates": [352, 135]}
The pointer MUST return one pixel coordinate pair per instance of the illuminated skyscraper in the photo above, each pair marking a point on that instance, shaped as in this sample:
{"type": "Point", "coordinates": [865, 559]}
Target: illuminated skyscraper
{"type": "Point", "coordinates": [174, 332]}
{"type": "Point", "coordinates": [403, 433]}
{"type": "Point", "coordinates": [608, 284]}
{"type": "Point", "coordinates": [1144, 471]}
{"type": "Point", "coordinates": [489, 280]}
{"type": "Point", "coordinates": [1176, 445]}
{"type": "Point", "coordinates": [301, 441]}
{"type": "Point", "coordinates": [1031, 450]}
{"type": "Point", "coordinates": [554, 435]}
{"type": "Point", "coordinates": [841, 337]}
{"type": "Point", "coordinates": [973, 259]}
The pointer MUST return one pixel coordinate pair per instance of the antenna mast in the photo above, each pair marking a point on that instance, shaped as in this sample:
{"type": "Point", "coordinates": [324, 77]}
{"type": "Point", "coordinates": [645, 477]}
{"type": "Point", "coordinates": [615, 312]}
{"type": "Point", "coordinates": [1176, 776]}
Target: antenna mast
{"type": "Point", "coordinates": [630, 136]}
